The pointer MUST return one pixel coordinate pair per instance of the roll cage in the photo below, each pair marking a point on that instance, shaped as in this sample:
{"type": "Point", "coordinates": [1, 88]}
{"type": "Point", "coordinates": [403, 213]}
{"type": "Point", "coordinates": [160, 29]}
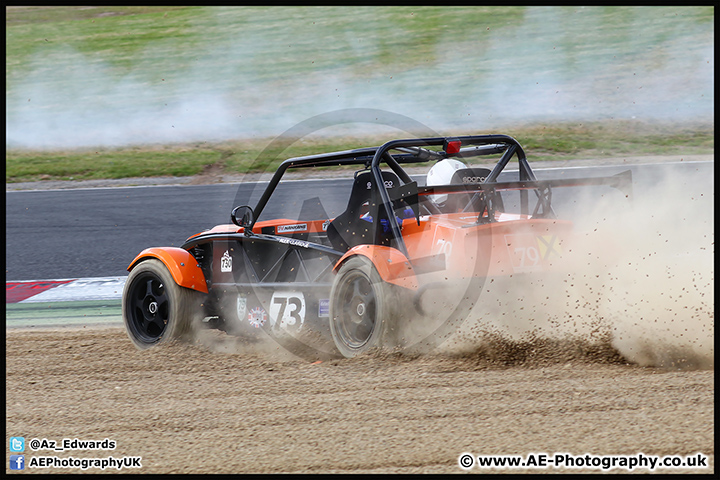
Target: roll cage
{"type": "Point", "coordinates": [423, 150]}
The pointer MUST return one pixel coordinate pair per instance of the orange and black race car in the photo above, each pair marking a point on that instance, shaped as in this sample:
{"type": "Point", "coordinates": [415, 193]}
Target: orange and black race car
{"type": "Point", "coordinates": [354, 268]}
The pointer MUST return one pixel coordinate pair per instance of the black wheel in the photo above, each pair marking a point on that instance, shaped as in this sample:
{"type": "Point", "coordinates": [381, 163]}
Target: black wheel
{"type": "Point", "coordinates": [155, 309]}
{"type": "Point", "coordinates": [361, 306]}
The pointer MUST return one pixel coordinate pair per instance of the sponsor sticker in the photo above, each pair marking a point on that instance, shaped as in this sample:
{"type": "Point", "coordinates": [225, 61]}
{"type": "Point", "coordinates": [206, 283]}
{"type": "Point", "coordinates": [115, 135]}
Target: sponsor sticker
{"type": "Point", "coordinates": [294, 242]}
{"type": "Point", "coordinates": [324, 308]}
{"type": "Point", "coordinates": [226, 262]}
{"type": "Point", "coordinates": [257, 317]}
{"type": "Point", "coordinates": [300, 227]}
{"type": "Point", "coordinates": [241, 307]}
{"type": "Point", "coordinates": [473, 179]}
{"type": "Point", "coordinates": [549, 246]}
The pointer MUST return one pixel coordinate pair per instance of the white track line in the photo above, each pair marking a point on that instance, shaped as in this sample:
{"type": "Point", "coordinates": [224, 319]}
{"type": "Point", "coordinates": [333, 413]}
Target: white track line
{"type": "Point", "coordinates": [82, 289]}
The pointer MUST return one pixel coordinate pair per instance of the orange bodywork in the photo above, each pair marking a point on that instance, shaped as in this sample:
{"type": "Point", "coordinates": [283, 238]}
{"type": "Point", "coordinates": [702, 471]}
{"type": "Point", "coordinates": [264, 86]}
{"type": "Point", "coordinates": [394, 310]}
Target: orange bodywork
{"type": "Point", "coordinates": [452, 245]}
{"type": "Point", "coordinates": [182, 266]}
{"type": "Point", "coordinates": [512, 244]}
{"type": "Point", "coordinates": [459, 248]}
{"type": "Point", "coordinates": [390, 263]}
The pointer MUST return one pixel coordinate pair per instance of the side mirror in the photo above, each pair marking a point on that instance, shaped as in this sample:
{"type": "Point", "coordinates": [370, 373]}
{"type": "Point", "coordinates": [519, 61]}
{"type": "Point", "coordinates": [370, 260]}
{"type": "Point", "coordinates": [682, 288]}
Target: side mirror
{"type": "Point", "coordinates": [243, 216]}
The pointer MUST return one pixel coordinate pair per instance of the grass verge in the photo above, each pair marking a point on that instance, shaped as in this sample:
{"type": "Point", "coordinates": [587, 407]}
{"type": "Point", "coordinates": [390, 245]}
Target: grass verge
{"type": "Point", "coordinates": [541, 142]}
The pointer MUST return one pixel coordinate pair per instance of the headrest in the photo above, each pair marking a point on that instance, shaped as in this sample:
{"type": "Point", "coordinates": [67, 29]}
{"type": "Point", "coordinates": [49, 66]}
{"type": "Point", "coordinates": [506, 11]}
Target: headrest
{"type": "Point", "coordinates": [365, 180]}
{"type": "Point", "coordinates": [471, 175]}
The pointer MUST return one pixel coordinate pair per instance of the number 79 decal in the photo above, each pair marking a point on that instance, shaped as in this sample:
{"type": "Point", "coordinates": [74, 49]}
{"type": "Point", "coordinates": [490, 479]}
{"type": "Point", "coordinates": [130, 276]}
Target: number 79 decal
{"type": "Point", "coordinates": [528, 251]}
{"type": "Point", "coordinates": [287, 310]}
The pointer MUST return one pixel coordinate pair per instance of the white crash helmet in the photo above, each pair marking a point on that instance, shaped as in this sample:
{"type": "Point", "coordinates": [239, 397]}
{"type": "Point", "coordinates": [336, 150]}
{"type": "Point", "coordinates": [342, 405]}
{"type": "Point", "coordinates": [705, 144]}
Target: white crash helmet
{"type": "Point", "coordinates": [441, 174]}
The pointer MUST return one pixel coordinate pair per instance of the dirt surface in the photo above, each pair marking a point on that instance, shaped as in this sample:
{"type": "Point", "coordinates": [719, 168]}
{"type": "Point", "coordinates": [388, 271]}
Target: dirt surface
{"type": "Point", "coordinates": [215, 407]}
{"type": "Point", "coordinates": [189, 408]}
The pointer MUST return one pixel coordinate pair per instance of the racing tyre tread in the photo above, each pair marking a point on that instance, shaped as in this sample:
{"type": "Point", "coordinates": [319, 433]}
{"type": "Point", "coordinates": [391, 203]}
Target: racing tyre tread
{"type": "Point", "coordinates": [362, 306]}
{"type": "Point", "coordinates": [155, 309]}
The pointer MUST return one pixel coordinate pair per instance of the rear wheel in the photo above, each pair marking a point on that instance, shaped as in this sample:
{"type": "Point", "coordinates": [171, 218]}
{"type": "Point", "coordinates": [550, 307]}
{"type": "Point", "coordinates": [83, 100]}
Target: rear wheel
{"type": "Point", "coordinates": [361, 306]}
{"type": "Point", "coordinates": [155, 309]}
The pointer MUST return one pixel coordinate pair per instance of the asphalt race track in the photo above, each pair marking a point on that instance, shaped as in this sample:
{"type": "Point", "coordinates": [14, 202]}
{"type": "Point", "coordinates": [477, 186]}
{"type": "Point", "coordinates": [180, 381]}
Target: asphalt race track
{"type": "Point", "coordinates": [220, 405]}
{"type": "Point", "coordinates": [58, 234]}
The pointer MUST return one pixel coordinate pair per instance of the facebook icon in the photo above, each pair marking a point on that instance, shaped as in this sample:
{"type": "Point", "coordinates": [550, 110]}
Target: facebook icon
{"type": "Point", "coordinates": [17, 462]}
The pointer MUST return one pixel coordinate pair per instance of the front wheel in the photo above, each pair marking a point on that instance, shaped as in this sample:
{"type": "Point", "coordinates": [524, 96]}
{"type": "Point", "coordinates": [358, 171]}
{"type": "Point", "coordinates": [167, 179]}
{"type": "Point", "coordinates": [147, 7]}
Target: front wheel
{"type": "Point", "coordinates": [361, 306]}
{"type": "Point", "coordinates": [155, 309]}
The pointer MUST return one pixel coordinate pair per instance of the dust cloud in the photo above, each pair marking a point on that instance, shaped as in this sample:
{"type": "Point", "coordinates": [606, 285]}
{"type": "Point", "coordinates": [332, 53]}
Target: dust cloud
{"type": "Point", "coordinates": [637, 280]}
{"type": "Point", "coordinates": [547, 65]}
{"type": "Point", "coordinates": [661, 287]}
{"type": "Point", "coordinates": [635, 285]}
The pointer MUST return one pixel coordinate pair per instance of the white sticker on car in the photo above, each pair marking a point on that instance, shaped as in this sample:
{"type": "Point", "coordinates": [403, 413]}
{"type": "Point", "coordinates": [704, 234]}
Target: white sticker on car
{"type": "Point", "coordinates": [257, 317]}
{"type": "Point", "coordinates": [294, 242]}
{"type": "Point", "coordinates": [324, 308]}
{"type": "Point", "coordinates": [241, 307]}
{"type": "Point", "coordinates": [226, 262]}
{"type": "Point", "coordinates": [287, 310]}
{"type": "Point", "coordinates": [300, 227]}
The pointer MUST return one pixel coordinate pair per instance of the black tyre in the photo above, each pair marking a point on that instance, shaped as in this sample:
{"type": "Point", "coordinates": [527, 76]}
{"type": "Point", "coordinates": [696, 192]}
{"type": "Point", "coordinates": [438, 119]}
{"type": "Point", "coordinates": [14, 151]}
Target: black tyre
{"type": "Point", "coordinates": [361, 307]}
{"type": "Point", "coordinates": [155, 309]}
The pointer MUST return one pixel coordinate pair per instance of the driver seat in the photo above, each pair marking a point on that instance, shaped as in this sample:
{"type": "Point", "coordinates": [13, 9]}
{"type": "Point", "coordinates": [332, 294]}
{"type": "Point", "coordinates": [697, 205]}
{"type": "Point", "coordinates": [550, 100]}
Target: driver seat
{"type": "Point", "coordinates": [348, 229]}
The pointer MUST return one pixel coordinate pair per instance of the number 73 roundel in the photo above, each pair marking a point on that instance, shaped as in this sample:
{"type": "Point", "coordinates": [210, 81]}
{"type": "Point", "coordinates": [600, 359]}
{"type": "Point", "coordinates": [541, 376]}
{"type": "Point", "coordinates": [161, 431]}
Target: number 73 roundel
{"type": "Point", "coordinates": [287, 310]}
